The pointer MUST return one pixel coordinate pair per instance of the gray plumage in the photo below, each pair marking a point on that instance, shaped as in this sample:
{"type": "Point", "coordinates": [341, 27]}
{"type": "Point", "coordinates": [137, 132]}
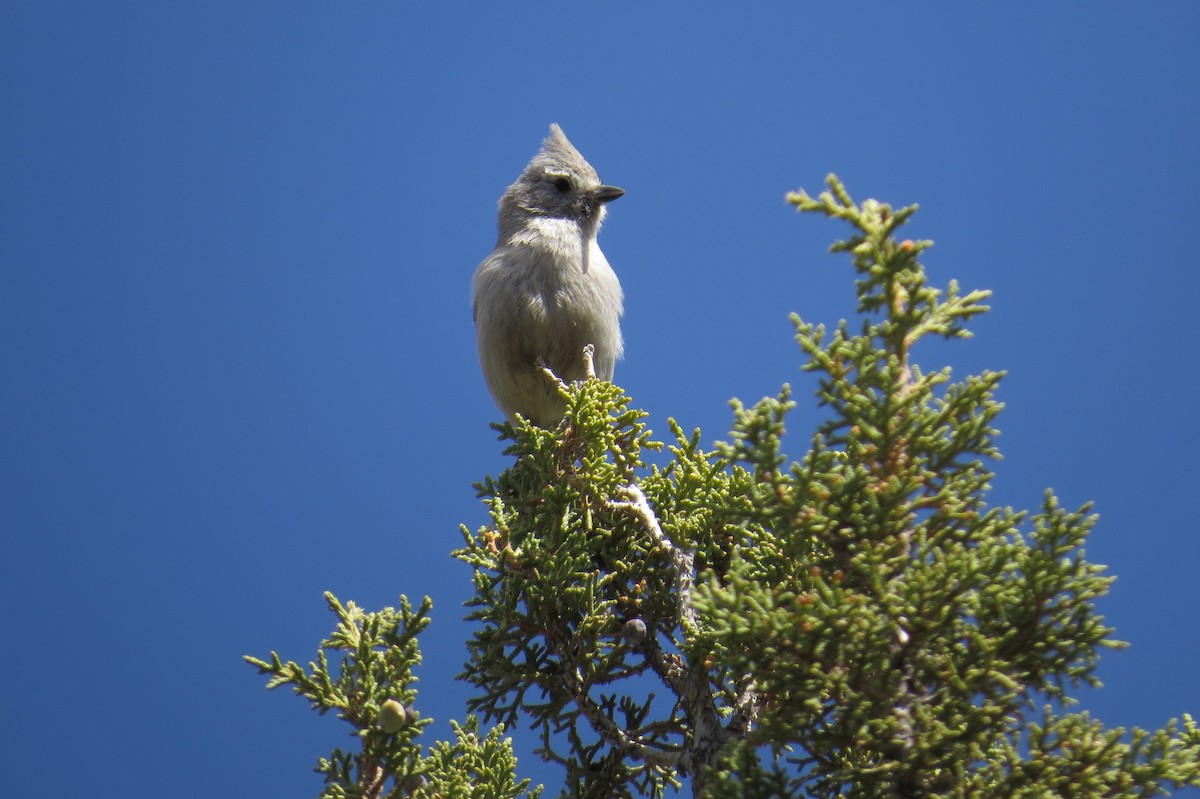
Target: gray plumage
{"type": "Point", "coordinates": [547, 291]}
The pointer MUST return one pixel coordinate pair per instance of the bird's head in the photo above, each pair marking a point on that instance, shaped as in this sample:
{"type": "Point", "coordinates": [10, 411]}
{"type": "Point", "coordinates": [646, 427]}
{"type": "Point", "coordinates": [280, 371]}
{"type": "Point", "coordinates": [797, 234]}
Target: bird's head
{"type": "Point", "coordinates": [559, 183]}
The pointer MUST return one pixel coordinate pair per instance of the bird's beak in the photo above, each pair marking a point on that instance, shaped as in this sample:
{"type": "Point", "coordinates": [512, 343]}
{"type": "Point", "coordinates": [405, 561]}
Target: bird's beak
{"type": "Point", "coordinates": [607, 194]}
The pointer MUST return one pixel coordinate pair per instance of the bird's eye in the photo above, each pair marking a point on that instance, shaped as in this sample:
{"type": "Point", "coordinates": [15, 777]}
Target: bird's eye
{"type": "Point", "coordinates": [562, 184]}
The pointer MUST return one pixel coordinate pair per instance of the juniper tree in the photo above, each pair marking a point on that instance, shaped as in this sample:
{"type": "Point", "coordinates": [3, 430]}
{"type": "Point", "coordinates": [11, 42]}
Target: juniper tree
{"type": "Point", "coordinates": [856, 623]}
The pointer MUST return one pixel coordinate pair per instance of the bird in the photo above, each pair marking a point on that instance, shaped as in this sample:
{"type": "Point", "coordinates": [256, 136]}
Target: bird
{"type": "Point", "coordinates": [547, 291]}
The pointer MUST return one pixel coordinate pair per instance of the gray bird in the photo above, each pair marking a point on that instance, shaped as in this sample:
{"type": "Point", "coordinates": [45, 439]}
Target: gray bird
{"type": "Point", "coordinates": [547, 291]}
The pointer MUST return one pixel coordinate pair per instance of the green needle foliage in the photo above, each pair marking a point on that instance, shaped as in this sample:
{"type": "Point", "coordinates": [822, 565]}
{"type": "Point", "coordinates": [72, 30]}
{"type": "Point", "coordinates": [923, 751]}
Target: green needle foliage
{"type": "Point", "coordinates": [857, 623]}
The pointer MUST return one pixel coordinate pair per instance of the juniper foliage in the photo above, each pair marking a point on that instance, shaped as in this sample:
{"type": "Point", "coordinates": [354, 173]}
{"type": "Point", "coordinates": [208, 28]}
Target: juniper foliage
{"type": "Point", "coordinates": [857, 623]}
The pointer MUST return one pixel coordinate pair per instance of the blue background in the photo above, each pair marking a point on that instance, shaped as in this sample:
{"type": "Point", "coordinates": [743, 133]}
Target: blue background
{"type": "Point", "coordinates": [235, 336]}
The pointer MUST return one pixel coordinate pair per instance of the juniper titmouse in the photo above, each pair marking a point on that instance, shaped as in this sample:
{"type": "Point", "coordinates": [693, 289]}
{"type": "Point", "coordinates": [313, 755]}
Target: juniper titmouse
{"type": "Point", "coordinates": [547, 291]}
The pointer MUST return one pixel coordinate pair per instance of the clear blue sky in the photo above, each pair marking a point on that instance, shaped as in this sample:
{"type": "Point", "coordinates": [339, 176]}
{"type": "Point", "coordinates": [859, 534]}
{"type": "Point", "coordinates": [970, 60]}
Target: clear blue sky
{"type": "Point", "coordinates": [238, 361]}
